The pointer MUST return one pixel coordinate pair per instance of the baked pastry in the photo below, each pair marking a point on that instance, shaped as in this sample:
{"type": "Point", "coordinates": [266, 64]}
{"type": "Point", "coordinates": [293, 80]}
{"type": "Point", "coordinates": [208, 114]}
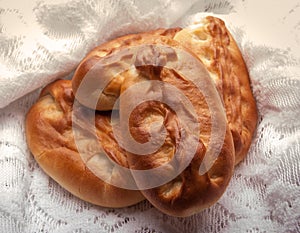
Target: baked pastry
{"type": "Point", "coordinates": [51, 140]}
{"type": "Point", "coordinates": [188, 192]}
{"type": "Point", "coordinates": [180, 151]}
{"type": "Point", "coordinates": [211, 41]}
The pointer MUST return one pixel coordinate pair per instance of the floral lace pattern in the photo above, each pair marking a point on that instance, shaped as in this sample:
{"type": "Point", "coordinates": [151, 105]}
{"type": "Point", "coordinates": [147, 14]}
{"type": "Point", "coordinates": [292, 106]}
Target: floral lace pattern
{"type": "Point", "coordinates": [46, 39]}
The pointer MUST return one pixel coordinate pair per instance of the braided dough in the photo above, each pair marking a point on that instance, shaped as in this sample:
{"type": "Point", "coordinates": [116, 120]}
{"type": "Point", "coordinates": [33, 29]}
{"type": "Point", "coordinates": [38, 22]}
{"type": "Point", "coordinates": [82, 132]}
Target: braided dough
{"type": "Point", "coordinates": [51, 139]}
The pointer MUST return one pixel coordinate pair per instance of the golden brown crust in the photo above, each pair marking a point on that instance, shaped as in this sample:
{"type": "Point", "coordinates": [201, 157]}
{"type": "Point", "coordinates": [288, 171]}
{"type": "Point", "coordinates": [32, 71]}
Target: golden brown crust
{"type": "Point", "coordinates": [189, 192]}
{"type": "Point", "coordinates": [196, 192]}
{"type": "Point", "coordinates": [112, 91]}
{"type": "Point", "coordinates": [217, 49]}
{"type": "Point", "coordinates": [213, 44]}
{"type": "Point", "coordinates": [50, 138]}
{"type": "Point", "coordinates": [51, 141]}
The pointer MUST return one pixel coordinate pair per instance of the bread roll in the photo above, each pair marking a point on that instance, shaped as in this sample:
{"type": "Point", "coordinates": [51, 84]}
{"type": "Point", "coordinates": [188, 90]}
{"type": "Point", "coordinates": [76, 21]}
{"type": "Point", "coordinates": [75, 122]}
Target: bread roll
{"type": "Point", "coordinates": [211, 41]}
{"type": "Point", "coordinates": [50, 138]}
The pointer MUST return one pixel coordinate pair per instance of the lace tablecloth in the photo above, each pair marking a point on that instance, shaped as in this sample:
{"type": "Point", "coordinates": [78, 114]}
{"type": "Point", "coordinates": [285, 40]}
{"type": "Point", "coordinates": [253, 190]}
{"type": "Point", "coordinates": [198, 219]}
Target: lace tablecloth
{"type": "Point", "coordinates": [43, 40]}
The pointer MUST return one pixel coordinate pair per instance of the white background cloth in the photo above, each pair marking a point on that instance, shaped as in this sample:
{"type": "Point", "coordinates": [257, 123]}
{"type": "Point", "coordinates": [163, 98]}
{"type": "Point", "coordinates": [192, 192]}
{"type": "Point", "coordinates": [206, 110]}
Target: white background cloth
{"type": "Point", "coordinates": [43, 40]}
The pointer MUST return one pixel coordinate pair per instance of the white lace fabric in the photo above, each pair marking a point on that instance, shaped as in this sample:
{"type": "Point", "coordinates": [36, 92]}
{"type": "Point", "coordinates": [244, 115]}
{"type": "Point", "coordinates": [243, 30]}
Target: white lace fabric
{"type": "Point", "coordinates": [43, 40]}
